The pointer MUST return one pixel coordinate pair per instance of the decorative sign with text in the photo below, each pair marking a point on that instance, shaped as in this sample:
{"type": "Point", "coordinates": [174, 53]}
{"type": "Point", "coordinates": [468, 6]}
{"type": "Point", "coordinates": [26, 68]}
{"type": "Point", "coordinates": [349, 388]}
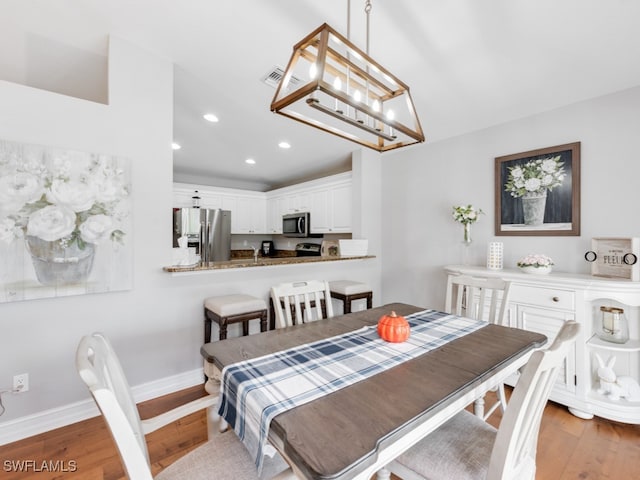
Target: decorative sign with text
{"type": "Point", "coordinates": [615, 258]}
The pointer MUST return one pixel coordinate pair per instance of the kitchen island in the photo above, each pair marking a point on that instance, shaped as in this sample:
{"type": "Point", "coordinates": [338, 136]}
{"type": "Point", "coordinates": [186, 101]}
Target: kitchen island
{"type": "Point", "coordinates": [259, 262]}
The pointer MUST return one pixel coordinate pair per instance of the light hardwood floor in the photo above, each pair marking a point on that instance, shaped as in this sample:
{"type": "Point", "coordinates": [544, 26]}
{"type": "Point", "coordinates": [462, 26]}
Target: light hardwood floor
{"type": "Point", "coordinates": [568, 448]}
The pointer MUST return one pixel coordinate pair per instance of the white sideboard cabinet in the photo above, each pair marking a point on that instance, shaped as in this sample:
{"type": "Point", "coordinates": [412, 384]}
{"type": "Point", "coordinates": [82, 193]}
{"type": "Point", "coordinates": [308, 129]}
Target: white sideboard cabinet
{"type": "Point", "coordinates": [541, 303]}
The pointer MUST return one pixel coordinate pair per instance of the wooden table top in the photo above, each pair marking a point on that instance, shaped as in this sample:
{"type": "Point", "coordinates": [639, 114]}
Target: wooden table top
{"type": "Point", "coordinates": [337, 436]}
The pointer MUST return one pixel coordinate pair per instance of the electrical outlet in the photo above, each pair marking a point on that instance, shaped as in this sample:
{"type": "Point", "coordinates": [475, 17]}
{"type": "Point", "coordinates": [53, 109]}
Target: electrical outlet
{"type": "Point", "coordinates": [21, 382]}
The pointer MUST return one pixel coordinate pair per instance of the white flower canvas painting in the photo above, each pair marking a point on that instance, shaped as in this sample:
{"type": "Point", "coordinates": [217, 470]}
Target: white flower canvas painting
{"type": "Point", "coordinates": [65, 222]}
{"type": "Point", "coordinates": [538, 192]}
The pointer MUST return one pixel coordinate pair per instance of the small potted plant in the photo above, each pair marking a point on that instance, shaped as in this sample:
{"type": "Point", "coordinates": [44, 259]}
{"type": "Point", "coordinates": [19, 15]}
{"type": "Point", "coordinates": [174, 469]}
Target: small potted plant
{"type": "Point", "coordinates": [536, 263]}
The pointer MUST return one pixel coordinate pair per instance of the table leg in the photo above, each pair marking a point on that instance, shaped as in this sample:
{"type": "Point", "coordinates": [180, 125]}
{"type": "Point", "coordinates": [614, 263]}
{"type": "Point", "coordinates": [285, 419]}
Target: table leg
{"type": "Point", "coordinates": [478, 407]}
{"type": "Point", "coordinates": [215, 424]}
{"type": "Point", "coordinates": [383, 474]}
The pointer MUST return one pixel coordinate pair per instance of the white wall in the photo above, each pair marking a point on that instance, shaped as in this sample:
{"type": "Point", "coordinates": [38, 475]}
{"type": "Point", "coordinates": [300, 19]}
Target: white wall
{"type": "Point", "coordinates": [39, 337]}
{"type": "Point", "coordinates": [157, 327]}
{"type": "Point", "coordinates": [422, 183]}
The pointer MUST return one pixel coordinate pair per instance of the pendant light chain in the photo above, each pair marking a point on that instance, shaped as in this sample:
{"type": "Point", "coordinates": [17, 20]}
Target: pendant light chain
{"type": "Point", "coordinates": [348, 19]}
{"type": "Point", "coordinates": [367, 10]}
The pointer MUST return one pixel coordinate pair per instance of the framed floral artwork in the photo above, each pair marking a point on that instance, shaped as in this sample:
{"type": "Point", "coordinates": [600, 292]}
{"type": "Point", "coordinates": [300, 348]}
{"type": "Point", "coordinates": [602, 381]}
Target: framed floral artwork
{"type": "Point", "coordinates": [538, 192]}
{"type": "Point", "coordinates": [65, 223]}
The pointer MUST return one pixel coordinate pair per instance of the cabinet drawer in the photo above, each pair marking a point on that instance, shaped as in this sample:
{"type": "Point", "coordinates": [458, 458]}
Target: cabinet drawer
{"type": "Point", "coordinates": [543, 297]}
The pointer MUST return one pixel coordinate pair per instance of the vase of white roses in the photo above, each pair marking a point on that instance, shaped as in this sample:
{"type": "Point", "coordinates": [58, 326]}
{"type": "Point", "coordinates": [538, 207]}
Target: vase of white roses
{"type": "Point", "coordinates": [466, 215]}
{"type": "Point", "coordinates": [62, 205]}
{"type": "Point", "coordinates": [531, 181]}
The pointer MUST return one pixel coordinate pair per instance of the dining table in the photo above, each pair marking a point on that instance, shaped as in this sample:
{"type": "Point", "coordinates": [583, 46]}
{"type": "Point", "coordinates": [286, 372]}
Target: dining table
{"type": "Point", "coordinates": [353, 432]}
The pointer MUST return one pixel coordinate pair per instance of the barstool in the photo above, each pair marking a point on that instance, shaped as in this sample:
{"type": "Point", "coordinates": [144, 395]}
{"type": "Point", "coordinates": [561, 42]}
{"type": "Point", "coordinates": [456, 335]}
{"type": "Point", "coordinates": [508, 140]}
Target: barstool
{"type": "Point", "coordinates": [348, 291]}
{"type": "Point", "coordinates": [228, 309]}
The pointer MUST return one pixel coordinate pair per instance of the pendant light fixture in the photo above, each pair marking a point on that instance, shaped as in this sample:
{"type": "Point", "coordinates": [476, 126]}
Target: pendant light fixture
{"type": "Point", "coordinates": [345, 92]}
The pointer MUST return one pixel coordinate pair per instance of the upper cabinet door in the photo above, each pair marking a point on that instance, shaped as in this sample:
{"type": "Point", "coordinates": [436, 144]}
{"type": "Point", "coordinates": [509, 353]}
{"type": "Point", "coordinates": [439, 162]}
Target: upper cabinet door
{"type": "Point", "coordinates": [320, 211]}
{"type": "Point", "coordinates": [341, 208]}
{"type": "Point", "coordinates": [276, 208]}
{"type": "Point", "coordinates": [250, 215]}
{"type": "Point", "coordinates": [331, 210]}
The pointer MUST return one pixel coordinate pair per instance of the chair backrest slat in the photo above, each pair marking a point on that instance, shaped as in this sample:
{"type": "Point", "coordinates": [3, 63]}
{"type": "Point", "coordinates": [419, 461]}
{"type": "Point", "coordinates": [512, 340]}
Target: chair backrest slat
{"type": "Point", "coordinates": [308, 301]}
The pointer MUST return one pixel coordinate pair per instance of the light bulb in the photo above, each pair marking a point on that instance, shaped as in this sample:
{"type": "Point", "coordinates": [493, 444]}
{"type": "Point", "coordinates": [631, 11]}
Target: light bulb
{"type": "Point", "coordinates": [313, 71]}
{"type": "Point", "coordinates": [375, 105]}
{"type": "Point", "coordinates": [337, 84]}
{"type": "Point", "coordinates": [357, 96]}
{"type": "Point", "coordinates": [391, 116]}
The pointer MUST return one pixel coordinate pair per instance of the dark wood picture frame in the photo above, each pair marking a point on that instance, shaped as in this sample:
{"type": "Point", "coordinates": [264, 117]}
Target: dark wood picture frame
{"type": "Point", "coordinates": [561, 207]}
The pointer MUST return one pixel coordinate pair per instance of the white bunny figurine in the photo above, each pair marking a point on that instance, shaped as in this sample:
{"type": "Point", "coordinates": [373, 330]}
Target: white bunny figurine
{"type": "Point", "coordinates": [612, 385]}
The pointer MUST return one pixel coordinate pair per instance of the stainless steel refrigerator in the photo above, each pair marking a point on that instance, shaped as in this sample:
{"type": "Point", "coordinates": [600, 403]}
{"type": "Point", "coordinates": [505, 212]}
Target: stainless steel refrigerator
{"type": "Point", "coordinates": [208, 230]}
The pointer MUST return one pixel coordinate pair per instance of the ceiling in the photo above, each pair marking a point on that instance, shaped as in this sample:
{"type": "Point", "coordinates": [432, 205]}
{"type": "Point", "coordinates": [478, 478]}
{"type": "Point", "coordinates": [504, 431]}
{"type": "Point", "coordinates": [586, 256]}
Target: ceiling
{"type": "Point", "coordinates": [469, 65]}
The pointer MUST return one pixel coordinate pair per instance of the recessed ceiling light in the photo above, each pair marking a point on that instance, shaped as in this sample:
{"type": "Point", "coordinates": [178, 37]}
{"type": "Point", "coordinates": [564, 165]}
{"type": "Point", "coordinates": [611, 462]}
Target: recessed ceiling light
{"type": "Point", "coordinates": [210, 117]}
{"type": "Point", "coordinates": [175, 146]}
{"type": "Point", "coordinates": [284, 145]}
{"type": "Point", "coordinates": [250, 161]}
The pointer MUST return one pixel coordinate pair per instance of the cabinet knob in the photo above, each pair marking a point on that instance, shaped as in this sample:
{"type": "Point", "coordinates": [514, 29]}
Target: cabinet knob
{"type": "Point", "coordinates": [556, 299]}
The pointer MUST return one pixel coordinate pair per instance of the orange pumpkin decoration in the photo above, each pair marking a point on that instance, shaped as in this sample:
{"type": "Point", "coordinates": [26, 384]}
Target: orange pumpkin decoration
{"type": "Point", "coordinates": [393, 328]}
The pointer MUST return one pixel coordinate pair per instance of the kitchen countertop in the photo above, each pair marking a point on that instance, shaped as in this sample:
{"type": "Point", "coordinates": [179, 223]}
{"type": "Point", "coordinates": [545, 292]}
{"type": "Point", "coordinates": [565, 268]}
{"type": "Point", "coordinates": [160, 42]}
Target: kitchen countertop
{"type": "Point", "coordinates": [261, 262]}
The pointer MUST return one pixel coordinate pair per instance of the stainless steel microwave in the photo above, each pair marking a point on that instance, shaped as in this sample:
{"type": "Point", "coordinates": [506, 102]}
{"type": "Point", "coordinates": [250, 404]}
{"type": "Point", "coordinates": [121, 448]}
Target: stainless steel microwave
{"type": "Point", "coordinates": [296, 224]}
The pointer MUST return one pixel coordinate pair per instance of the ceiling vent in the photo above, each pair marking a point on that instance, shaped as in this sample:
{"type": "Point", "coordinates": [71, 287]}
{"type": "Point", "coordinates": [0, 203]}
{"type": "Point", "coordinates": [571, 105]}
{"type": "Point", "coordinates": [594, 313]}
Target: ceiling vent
{"type": "Point", "coordinates": [273, 77]}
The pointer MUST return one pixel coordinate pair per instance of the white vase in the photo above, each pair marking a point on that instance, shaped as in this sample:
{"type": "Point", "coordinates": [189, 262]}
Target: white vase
{"type": "Point", "coordinates": [57, 265]}
{"type": "Point", "coordinates": [533, 206]}
{"type": "Point", "coordinates": [466, 238]}
{"type": "Point", "coordinates": [536, 270]}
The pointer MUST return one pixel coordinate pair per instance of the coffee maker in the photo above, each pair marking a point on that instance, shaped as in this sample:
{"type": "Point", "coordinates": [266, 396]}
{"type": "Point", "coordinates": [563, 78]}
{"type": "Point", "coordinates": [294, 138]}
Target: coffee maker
{"type": "Point", "coordinates": [267, 250]}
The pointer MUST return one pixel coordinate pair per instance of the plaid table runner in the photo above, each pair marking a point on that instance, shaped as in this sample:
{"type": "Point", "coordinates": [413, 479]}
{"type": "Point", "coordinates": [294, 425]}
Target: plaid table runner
{"type": "Point", "coordinates": [254, 391]}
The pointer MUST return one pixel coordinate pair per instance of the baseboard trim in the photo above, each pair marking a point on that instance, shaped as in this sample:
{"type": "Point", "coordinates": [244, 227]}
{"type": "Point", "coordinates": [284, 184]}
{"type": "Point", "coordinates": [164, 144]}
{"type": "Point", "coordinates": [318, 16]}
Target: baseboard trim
{"type": "Point", "coordinates": [44, 421]}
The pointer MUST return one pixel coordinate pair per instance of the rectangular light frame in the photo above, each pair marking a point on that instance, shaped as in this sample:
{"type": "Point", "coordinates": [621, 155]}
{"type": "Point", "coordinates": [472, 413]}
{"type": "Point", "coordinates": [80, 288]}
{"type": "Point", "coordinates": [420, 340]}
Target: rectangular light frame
{"type": "Point", "coordinates": [365, 121]}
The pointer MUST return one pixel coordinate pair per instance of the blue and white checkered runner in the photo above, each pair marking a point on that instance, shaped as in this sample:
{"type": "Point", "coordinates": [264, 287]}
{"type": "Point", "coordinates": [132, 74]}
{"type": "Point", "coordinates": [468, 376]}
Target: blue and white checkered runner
{"type": "Point", "coordinates": [254, 391]}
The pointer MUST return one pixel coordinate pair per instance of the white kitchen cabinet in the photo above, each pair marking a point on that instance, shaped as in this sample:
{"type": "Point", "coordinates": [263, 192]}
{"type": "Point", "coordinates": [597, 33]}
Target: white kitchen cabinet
{"type": "Point", "coordinates": [541, 303]}
{"type": "Point", "coordinates": [249, 215]}
{"type": "Point", "coordinates": [328, 199]}
{"type": "Point", "coordinates": [276, 208]}
{"type": "Point", "coordinates": [248, 209]}
{"type": "Point", "coordinates": [299, 201]}
{"type": "Point", "coordinates": [183, 197]}
{"type": "Point", "coordinates": [320, 211]}
{"type": "Point", "coordinates": [331, 208]}
{"type": "Point", "coordinates": [341, 208]}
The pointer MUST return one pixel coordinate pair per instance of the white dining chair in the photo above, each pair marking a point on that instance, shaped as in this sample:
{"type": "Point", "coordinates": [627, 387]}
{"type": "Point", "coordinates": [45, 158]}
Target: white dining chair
{"type": "Point", "coordinates": [301, 301]}
{"type": "Point", "coordinates": [478, 298]}
{"type": "Point", "coordinates": [223, 457]}
{"type": "Point", "coordinates": [481, 299]}
{"type": "Point", "coordinates": [466, 447]}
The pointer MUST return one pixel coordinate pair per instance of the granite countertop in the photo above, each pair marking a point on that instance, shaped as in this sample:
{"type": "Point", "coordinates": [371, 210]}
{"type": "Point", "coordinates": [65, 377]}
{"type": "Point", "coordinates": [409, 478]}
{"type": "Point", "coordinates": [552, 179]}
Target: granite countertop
{"type": "Point", "coordinates": [261, 262]}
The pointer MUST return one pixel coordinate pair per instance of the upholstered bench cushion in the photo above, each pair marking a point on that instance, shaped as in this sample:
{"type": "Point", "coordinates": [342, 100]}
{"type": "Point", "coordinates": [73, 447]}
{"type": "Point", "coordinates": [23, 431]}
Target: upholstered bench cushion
{"type": "Point", "coordinates": [348, 287]}
{"type": "Point", "coordinates": [227, 305]}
